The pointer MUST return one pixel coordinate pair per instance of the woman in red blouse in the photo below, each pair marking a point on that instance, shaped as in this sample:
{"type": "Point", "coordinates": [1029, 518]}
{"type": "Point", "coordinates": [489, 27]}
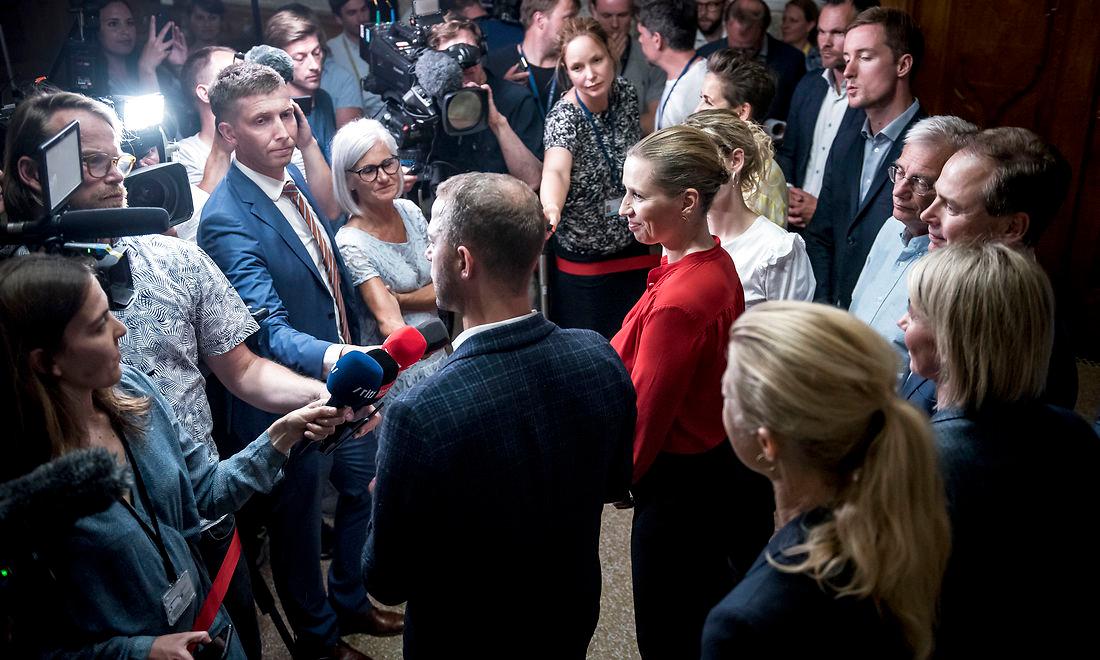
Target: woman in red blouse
{"type": "Point", "coordinates": [696, 529]}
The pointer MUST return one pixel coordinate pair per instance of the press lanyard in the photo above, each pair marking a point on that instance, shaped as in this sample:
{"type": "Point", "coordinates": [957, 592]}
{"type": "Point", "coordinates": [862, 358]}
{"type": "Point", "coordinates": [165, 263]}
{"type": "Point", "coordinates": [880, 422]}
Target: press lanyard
{"type": "Point", "coordinates": [599, 134]}
{"type": "Point", "coordinates": [153, 533]}
{"type": "Point", "coordinates": [534, 85]}
{"type": "Point", "coordinates": [661, 112]}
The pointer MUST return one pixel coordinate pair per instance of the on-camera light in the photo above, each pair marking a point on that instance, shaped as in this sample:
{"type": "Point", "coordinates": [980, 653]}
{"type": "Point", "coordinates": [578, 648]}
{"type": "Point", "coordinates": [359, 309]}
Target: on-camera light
{"type": "Point", "coordinates": [140, 112]}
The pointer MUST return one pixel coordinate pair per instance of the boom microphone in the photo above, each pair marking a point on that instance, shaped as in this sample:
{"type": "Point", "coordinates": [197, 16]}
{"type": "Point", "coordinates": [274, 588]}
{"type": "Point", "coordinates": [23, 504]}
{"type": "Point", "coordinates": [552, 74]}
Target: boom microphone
{"type": "Point", "coordinates": [90, 224]}
{"type": "Point", "coordinates": [438, 73]}
{"type": "Point", "coordinates": [56, 494]}
{"type": "Point", "coordinates": [276, 58]}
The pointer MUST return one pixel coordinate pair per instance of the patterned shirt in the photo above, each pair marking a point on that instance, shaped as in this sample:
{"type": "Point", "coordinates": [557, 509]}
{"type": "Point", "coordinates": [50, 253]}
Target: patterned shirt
{"type": "Point", "coordinates": [183, 310]}
{"type": "Point", "coordinates": [585, 227]}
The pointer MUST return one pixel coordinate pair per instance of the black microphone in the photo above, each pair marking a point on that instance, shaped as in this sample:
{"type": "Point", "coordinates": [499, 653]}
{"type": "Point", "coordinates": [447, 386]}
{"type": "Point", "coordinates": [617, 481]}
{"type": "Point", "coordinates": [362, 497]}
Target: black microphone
{"type": "Point", "coordinates": [276, 58]}
{"type": "Point", "coordinates": [92, 224]}
{"type": "Point", "coordinates": [438, 73]}
{"type": "Point", "coordinates": [390, 367]}
{"type": "Point", "coordinates": [56, 494]}
{"type": "Point", "coordinates": [435, 335]}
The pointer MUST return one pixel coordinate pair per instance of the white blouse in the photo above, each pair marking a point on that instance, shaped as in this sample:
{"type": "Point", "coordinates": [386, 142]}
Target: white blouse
{"type": "Point", "coordinates": [772, 264]}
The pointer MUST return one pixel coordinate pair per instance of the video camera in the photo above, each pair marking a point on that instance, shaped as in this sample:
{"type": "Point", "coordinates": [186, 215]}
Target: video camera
{"type": "Point", "coordinates": [79, 232]}
{"type": "Point", "coordinates": [422, 89]}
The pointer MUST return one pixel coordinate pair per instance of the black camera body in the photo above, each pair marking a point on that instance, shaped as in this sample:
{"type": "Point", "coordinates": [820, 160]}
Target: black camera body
{"type": "Point", "coordinates": [422, 89]}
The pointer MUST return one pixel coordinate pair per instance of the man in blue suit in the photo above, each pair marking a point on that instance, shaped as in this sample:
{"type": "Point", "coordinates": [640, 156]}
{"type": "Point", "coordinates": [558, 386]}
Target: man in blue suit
{"type": "Point", "coordinates": [818, 107]}
{"type": "Point", "coordinates": [493, 473]}
{"type": "Point", "coordinates": [883, 47]}
{"type": "Point", "coordinates": [261, 227]}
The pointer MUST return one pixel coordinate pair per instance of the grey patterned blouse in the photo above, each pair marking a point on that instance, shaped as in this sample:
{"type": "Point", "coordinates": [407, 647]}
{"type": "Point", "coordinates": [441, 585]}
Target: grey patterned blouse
{"type": "Point", "coordinates": [585, 226]}
{"type": "Point", "coordinates": [402, 266]}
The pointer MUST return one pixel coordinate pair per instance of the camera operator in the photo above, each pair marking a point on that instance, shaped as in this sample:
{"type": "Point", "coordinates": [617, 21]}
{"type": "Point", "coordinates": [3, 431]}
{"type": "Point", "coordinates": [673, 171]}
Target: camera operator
{"type": "Point", "coordinates": [343, 61]}
{"type": "Point", "coordinates": [184, 309]}
{"type": "Point", "coordinates": [513, 143]}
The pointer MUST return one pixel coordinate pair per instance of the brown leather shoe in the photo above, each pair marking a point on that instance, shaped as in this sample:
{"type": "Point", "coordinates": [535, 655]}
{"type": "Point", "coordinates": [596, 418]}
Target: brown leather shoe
{"type": "Point", "coordinates": [377, 622]}
{"type": "Point", "coordinates": [345, 651]}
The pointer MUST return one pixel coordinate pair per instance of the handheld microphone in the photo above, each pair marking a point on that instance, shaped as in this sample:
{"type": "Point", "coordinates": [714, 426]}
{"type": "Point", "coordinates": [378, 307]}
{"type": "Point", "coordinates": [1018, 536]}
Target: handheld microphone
{"type": "Point", "coordinates": [390, 367]}
{"type": "Point", "coordinates": [56, 494]}
{"type": "Point", "coordinates": [435, 335]}
{"type": "Point", "coordinates": [438, 73]}
{"type": "Point", "coordinates": [406, 345]}
{"type": "Point", "coordinates": [276, 58]}
{"type": "Point", "coordinates": [354, 381]}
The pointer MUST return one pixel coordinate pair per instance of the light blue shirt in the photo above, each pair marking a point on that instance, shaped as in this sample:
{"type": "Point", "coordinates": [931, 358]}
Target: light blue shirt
{"type": "Point", "coordinates": [881, 296]}
{"type": "Point", "coordinates": [877, 147]}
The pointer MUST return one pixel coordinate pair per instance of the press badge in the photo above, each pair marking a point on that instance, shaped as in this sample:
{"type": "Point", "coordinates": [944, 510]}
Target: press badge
{"type": "Point", "coordinates": [177, 599]}
{"type": "Point", "coordinates": [611, 207]}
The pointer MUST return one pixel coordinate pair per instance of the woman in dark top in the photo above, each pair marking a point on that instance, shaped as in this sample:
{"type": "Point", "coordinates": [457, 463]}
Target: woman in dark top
{"type": "Point", "coordinates": [855, 566]}
{"type": "Point", "coordinates": [599, 269]}
{"type": "Point", "coordinates": [696, 529]}
{"type": "Point", "coordinates": [1020, 474]}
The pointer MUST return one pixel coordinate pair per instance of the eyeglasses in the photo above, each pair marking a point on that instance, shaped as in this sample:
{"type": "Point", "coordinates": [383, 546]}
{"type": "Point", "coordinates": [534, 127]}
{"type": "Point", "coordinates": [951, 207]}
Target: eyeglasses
{"type": "Point", "coordinates": [99, 165]}
{"type": "Point", "coordinates": [921, 185]}
{"type": "Point", "coordinates": [368, 173]}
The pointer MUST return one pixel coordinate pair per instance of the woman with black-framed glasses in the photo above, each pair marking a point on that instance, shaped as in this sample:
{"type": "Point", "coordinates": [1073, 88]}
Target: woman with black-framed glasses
{"type": "Point", "coordinates": [384, 240]}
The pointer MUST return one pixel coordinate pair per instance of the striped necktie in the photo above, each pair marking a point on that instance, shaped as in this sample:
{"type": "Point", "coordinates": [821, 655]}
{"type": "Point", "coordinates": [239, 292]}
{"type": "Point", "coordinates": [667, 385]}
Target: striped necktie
{"type": "Point", "coordinates": [328, 259]}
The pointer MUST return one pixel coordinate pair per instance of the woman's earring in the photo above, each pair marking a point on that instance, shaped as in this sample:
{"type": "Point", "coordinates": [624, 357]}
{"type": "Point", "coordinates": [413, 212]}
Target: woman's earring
{"type": "Point", "coordinates": [760, 458]}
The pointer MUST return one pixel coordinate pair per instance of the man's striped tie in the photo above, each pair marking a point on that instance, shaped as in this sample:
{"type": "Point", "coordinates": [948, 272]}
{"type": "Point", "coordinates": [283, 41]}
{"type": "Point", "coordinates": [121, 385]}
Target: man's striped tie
{"type": "Point", "coordinates": [327, 258]}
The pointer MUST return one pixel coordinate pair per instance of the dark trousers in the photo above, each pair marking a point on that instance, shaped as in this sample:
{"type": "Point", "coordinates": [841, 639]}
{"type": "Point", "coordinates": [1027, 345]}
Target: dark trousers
{"type": "Point", "coordinates": [213, 544]}
{"type": "Point", "coordinates": [699, 522]}
{"type": "Point", "coordinates": [596, 302]}
{"type": "Point", "coordinates": [295, 530]}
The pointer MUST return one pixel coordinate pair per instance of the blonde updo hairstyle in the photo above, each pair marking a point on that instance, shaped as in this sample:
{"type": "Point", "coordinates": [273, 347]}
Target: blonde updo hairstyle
{"type": "Point", "coordinates": [823, 384]}
{"type": "Point", "coordinates": [991, 311]}
{"type": "Point", "coordinates": [581, 26]}
{"type": "Point", "coordinates": [683, 157]}
{"type": "Point", "coordinates": [729, 133]}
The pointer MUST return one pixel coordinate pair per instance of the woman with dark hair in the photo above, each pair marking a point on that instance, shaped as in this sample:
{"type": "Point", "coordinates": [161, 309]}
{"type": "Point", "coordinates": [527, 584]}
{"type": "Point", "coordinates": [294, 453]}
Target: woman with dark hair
{"type": "Point", "coordinates": [854, 568]}
{"type": "Point", "coordinates": [133, 71]}
{"type": "Point", "coordinates": [123, 582]}
{"type": "Point", "coordinates": [696, 528]}
{"type": "Point", "coordinates": [1019, 472]}
{"type": "Point", "coordinates": [599, 269]}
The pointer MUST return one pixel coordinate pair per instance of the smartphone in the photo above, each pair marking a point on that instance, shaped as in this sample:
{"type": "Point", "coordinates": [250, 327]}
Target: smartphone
{"type": "Point", "coordinates": [305, 103]}
{"type": "Point", "coordinates": [162, 19]}
{"type": "Point", "coordinates": [218, 647]}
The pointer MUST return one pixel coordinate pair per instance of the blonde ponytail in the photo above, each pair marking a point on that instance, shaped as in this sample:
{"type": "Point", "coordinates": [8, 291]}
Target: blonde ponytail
{"type": "Point", "coordinates": [824, 382]}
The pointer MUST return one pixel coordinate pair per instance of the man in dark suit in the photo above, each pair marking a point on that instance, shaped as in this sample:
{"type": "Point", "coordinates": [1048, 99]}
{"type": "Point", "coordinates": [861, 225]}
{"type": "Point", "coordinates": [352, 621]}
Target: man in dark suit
{"type": "Point", "coordinates": [818, 107]}
{"type": "Point", "coordinates": [492, 474]}
{"type": "Point", "coordinates": [261, 227]}
{"type": "Point", "coordinates": [883, 47]}
{"type": "Point", "coordinates": [747, 24]}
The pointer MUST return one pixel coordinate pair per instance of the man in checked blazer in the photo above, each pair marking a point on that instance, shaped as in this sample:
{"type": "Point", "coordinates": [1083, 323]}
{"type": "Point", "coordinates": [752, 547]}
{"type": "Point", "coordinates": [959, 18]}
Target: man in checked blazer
{"type": "Point", "coordinates": [264, 229]}
{"type": "Point", "coordinates": [492, 474]}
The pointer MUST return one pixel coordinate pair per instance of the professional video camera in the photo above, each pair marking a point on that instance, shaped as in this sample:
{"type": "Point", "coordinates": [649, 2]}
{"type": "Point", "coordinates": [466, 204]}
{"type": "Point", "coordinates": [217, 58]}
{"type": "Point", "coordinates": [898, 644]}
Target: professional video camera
{"type": "Point", "coordinates": [78, 232]}
{"type": "Point", "coordinates": [422, 89]}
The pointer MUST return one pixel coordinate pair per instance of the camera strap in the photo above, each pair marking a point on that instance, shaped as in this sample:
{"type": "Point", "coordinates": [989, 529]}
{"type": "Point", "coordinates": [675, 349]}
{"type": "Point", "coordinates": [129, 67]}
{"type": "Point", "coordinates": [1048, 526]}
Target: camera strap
{"type": "Point", "coordinates": [535, 87]}
{"type": "Point", "coordinates": [599, 134]}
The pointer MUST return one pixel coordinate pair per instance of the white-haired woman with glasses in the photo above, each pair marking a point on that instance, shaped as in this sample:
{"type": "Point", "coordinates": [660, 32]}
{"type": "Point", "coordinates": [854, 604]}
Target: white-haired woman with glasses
{"type": "Point", "coordinates": [384, 240]}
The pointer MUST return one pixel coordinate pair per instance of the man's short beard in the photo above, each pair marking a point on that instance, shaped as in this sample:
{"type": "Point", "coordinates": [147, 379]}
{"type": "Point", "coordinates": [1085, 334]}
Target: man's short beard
{"type": "Point", "coordinates": [715, 28]}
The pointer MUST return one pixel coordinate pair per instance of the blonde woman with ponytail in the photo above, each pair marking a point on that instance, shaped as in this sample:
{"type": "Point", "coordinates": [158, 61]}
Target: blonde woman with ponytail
{"type": "Point", "coordinates": [855, 567]}
{"type": "Point", "coordinates": [771, 262]}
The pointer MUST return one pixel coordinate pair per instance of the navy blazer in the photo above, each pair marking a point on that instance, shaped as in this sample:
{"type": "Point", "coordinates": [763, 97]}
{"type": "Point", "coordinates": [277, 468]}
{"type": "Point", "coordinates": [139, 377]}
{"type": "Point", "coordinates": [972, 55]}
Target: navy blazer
{"type": "Point", "coordinates": [843, 229]}
{"type": "Point", "coordinates": [786, 62]}
{"type": "Point", "coordinates": [793, 153]}
{"type": "Point", "coordinates": [257, 249]}
{"type": "Point", "coordinates": [775, 614]}
{"type": "Point", "coordinates": [1021, 488]}
{"type": "Point", "coordinates": [492, 476]}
